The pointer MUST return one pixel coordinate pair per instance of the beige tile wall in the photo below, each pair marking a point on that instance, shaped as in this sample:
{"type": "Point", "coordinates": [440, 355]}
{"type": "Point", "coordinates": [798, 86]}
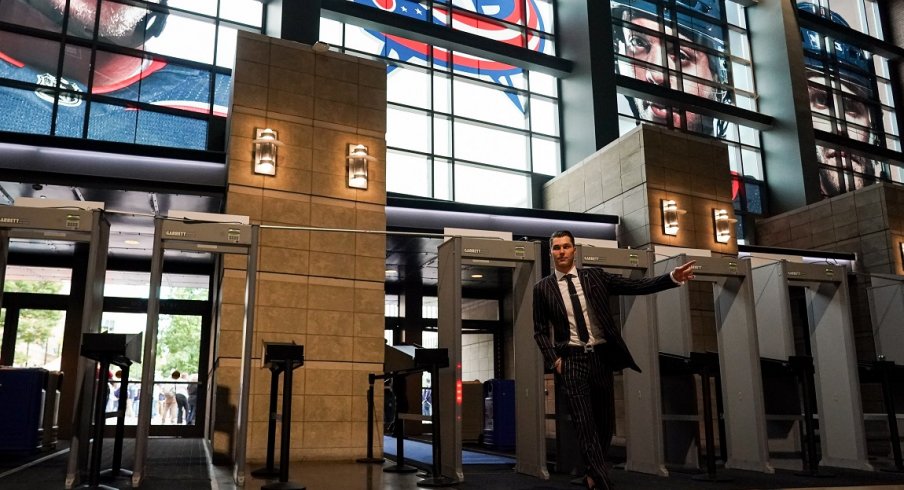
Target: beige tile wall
{"type": "Point", "coordinates": [321, 289]}
{"type": "Point", "coordinates": [868, 222]}
{"type": "Point", "coordinates": [629, 177]}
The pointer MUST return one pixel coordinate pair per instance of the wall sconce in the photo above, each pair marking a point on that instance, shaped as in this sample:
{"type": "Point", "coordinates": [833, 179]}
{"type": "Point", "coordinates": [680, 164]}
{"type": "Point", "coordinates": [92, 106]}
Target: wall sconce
{"type": "Point", "coordinates": [670, 213]}
{"type": "Point", "coordinates": [357, 166]}
{"type": "Point", "coordinates": [902, 253]}
{"type": "Point", "coordinates": [722, 225]}
{"type": "Point", "coordinates": [265, 145]}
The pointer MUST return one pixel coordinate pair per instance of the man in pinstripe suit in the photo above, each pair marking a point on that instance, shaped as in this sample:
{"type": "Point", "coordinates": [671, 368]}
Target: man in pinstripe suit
{"type": "Point", "coordinates": [587, 347]}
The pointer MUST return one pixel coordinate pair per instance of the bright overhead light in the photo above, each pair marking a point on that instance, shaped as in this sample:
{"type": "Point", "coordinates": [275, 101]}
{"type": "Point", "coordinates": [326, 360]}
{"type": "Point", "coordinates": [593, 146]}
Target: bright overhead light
{"type": "Point", "coordinates": [131, 242]}
{"type": "Point", "coordinates": [476, 276]}
{"type": "Point", "coordinates": [390, 272]}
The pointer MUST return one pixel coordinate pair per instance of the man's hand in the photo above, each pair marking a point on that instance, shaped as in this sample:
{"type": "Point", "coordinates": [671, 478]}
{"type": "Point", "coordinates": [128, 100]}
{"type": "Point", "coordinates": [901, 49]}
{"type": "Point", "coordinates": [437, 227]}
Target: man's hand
{"type": "Point", "coordinates": [684, 272]}
{"type": "Point", "coordinates": [558, 365]}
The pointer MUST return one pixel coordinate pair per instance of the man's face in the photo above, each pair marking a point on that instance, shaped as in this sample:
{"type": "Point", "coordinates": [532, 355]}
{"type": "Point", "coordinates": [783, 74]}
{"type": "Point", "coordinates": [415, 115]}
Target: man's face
{"type": "Point", "coordinates": [117, 21]}
{"type": "Point", "coordinates": [562, 251]}
{"type": "Point", "coordinates": [648, 48]}
{"type": "Point", "coordinates": [856, 113]}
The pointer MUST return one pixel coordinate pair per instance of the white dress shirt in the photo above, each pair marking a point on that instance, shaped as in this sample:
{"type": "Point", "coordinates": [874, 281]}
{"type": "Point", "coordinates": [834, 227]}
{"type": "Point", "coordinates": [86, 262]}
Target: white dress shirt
{"type": "Point", "coordinates": [593, 326]}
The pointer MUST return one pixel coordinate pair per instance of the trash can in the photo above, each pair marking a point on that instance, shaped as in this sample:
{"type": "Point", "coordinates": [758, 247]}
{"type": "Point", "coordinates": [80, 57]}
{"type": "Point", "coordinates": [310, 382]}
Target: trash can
{"type": "Point", "coordinates": [499, 413]}
{"type": "Point", "coordinates": [21, 408]}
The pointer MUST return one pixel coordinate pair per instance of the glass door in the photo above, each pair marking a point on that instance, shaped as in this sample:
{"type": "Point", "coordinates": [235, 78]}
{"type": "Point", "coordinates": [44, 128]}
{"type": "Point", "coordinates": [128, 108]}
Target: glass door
{"type": "Point", "coordinates": [179, 388]}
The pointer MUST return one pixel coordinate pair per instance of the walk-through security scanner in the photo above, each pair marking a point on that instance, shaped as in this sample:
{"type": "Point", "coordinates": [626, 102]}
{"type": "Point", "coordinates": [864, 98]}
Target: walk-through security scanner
{"type": "Point", "coordinates": [828, 339]}
{"type": "Point", "coordinates": [209, 233]}
{"type": "Point", "coordinates": [523, 259]}
{"type": "Point", "coordinates": [80, 222]}
{"type": "Point", "coordinates": [886, 304]}
{"type": "Point", "coordinates": [738, 362]}
{"type": "Point", "coordinates": [643, 405]}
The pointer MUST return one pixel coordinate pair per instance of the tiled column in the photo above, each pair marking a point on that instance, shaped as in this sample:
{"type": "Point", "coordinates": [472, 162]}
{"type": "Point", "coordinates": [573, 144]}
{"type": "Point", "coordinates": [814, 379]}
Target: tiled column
{"type": "Point", "coordinates": [629, 177]}
{"type": "Point", "coordinates": [321, 289]}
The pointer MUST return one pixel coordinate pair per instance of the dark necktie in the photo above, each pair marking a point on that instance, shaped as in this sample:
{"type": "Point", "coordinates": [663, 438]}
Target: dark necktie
{"type": "Point", "coordinates": [578, 311]}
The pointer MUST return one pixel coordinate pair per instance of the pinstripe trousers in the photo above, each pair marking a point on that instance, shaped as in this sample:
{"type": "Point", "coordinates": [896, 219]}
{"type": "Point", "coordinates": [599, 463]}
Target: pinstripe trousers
{"type": "Point", "coordinates": [588, 383]}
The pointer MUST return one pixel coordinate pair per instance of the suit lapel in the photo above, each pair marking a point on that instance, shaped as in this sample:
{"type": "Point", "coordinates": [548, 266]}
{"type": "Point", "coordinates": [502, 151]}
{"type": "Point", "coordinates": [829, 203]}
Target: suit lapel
{"type": "Point", "coordinates": [557, 294]}
{"type": "Point", "coordinates": [585, 285]}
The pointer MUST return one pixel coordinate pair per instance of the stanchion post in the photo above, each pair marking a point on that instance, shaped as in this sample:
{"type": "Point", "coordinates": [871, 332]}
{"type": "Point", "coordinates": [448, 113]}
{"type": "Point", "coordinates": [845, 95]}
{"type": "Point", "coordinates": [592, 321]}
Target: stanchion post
{"type": "Point", "coordinates": [271, 470]}
{"type": "Point", "coordinates": [436, 480]}
{"type": "Point", "coordinates": [370, 459]}
{"type": "Point", "coordinates": [886, 368]}
{"type": "Point", "coordinates": [116, 469]}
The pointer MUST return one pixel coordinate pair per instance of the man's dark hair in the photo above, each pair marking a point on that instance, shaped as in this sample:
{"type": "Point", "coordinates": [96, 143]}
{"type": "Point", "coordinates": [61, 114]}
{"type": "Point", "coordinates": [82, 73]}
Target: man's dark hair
{"type": "Point", "coordinates": [560, 234]}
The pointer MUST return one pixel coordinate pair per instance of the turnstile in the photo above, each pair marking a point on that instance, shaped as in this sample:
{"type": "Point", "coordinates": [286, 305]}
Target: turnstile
{"type": "Point", "coordinates": [523, 259]}
{"type": "Point", "coordinates": [82, 222]}
{"type": "Point", "coordinates": [643, 405]}
{"type": "Point", "coordinates": [738, 353]}
{"type": "Point", "coordinates": [831, 344]}
{"type": "Point", "coordinates": [210, 233]}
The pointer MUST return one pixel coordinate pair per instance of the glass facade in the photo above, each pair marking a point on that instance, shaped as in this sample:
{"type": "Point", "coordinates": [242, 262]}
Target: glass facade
{"type": "Point", "coordinates": [700, 48]}
{"type": "Point", "coordinates": [459, 126]}
{"type": "Point", "coordinates": [110, 71]}
{"type": "Point", "coordinates": [850, 96]}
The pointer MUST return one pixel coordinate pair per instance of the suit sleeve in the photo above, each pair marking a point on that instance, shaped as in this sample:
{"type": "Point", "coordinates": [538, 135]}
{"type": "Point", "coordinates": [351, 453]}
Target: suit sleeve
{"type": "Point", "coordinates": [541, 328]}
{"type": "Point", "coordinates": [619, 285]}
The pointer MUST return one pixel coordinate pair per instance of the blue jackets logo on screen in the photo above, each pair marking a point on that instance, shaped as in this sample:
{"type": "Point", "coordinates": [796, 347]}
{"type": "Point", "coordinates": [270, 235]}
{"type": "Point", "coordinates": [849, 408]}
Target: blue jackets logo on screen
{"type": "Point", "coordinates": [66, 99]}
{"type": "Point", "coordinates": [510, 11]}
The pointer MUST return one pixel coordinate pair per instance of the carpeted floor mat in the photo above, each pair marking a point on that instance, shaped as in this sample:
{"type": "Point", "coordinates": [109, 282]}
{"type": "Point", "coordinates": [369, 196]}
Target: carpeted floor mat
{"type": "Point", "coordinates": [169, 460]}
{"type": "Point", "coordinates": [419, 452]}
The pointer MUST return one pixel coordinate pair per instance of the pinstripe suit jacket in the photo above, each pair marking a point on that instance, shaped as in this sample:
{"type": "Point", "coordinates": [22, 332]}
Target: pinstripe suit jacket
{"type": "Point", "coordinates": [598, 286]}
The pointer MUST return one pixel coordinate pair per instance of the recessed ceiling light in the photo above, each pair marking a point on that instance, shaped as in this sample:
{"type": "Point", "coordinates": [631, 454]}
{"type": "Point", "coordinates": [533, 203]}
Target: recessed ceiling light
{"type": "Point", "coordinates": [476, 276]}
{"type": "Point", "coordinates": [131, 242]}
{"type": "Point", "coordinates": [390, 272]}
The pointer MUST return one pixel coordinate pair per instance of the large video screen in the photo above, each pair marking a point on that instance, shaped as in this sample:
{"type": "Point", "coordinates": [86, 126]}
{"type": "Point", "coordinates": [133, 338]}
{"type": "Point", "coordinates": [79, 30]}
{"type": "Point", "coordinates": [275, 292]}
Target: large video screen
{"type": "Point", "coordinates": [124, 72]}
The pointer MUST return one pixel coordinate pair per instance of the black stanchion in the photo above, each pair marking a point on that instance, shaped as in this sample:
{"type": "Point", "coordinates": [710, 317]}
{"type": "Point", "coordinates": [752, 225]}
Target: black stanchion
{"type": "Point", "coordinates": [106, 349]}
{"type": "Point", "coordinates": [887, 369]}
{"type": "Point", "coordinates": [116, 469]}
{"type": "Point", "coordinates": [703, 363]}
{"type": "Point", "coordinates": [804, 370]}
{"type": "Point", "coordinates": [398, 430]}
{"type": "Point", "coordinates": [436, 479]}
{"type": "Point", "coordinates": [286, 357]}
{"type": "Point", "coordinates": [370, 459]}
{"type": "Point", "coordinates": [270, 470]}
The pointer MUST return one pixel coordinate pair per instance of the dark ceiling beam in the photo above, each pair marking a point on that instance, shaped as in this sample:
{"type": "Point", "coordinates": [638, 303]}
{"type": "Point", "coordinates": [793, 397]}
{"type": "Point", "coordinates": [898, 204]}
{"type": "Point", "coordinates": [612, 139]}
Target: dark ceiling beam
{"type": "Point", "coordinates": [71, 167]}
{"type": "Point", "coordinates": [841, 33]}
{"type": "Point", "coordinates": [670, 97]}
{"type": "Point", "coordinates": [443, 37]}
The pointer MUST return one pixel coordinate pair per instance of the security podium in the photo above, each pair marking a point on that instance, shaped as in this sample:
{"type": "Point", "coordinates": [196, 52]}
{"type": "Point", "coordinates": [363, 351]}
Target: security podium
{"type": "Point", "coordinates": [280, 357]}
{"type": "Point", "coordinates": [108, 349]}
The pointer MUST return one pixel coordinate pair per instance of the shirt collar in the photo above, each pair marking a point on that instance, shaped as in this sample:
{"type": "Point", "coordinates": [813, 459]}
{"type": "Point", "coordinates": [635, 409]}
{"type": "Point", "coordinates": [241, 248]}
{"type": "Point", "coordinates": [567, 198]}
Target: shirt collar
{"type": "Point", "coordinates": [560, 275]}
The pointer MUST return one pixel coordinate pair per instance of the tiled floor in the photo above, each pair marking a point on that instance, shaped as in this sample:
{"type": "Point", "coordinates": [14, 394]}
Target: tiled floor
{"type": "Point", "coordinates": [341, 475]}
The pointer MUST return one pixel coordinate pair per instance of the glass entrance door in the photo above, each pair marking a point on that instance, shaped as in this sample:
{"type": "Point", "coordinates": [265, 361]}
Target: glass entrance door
{"type": "Point", "coordinates": [179, 385]}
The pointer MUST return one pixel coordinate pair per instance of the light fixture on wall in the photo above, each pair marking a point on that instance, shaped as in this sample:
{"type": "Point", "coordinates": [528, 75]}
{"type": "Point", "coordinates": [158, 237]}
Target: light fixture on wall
{"type": "Point", "coordinates": [670, 213]}
{"type": "Point", "coordinates": [722, 225]}
{"type": "Point", "coordinates": [902, 253]}
{"type": "Point", "coordinates": [265, 148]}
{"type": "Point", "coordinates": [357, 159]}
